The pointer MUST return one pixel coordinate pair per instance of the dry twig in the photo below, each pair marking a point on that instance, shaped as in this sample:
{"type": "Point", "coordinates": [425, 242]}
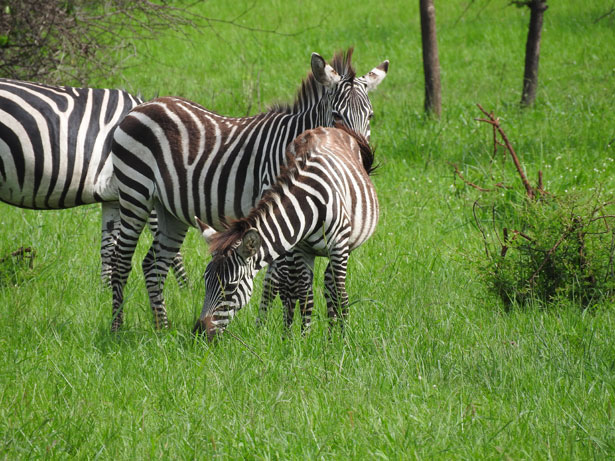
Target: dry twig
{"type": "Point", "coordinates": [495, 122]}
{"type": "Point", "coordinates": [499, 185]}
{"type": "Point", "coordinates": [20, 254]}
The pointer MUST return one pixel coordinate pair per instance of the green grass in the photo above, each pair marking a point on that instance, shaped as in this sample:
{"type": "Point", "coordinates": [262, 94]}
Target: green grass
{"type": "Point", "coordinates": [432, 365]}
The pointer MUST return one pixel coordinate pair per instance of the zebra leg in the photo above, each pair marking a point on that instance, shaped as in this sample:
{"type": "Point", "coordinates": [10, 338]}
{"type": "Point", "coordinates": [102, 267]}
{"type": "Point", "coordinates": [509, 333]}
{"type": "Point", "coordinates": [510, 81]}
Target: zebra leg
{"type": "Point", "coordinates": [288, 288]}
{"type": "Point", "coordinates": [289, 301]}
{"type": "Point", "coordinates": [298, 288]}
{"type": "Point", "coordinates": [178, 261]}
{"type": "Point", "coordinates": [335, 288]}
{"type": "Point", "coordinates": [275, 278]}
{"type": "Point", "coordinates": [179, 269]}
{"type": "Point", "coordinates": [110, 218]}
{"type": "Point", "coordinates": [132, 222]}
{"type": "Point", "coordinates": [167, 242]}
{"type": "Point", "coordinates": [271, 288]}
{"type": "Point", "coordinates": [304, 283]}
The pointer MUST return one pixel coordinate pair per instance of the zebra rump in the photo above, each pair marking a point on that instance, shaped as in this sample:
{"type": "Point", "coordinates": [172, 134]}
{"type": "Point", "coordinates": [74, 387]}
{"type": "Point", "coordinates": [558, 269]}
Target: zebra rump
{"type": "Point", "coordinates": [55, 145]}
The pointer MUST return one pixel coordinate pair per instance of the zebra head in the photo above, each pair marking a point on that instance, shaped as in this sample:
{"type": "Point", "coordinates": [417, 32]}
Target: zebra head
{"type": "Point", "coordinates": [350, 101]}
{"type": "Point", "coordinates": [229, 278]}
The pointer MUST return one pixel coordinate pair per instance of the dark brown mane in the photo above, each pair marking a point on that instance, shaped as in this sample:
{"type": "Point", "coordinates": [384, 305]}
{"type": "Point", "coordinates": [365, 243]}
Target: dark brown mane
{"type": "Point", "coordinates": [222, 242]}
{"type": "Point", "coordinates": [342, 64]}
{"type": "Point", "coordinates": [366, 150]}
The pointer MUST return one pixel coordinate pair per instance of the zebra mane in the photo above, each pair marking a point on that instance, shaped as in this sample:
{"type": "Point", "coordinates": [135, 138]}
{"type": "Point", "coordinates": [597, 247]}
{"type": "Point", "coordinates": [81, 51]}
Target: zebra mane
{"type": "Point", "coordinates": [366, 150]}
{"type": "Point", "coordinates": [223, 242]}
{"type": "Point", "coordinates": [341, 62]}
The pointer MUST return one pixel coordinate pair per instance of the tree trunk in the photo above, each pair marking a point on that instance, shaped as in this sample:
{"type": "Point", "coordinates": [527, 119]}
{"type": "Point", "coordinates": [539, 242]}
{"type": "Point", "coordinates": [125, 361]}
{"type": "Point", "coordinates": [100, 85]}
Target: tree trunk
{"type": "Point", "coordinates": [532, 51]}
{"type": "Point", "coordinates": [431, 63]}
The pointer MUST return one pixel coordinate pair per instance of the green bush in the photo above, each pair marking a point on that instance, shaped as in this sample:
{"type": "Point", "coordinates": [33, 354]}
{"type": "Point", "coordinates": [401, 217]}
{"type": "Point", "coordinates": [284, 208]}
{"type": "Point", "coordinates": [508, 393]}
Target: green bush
{"type": "Point", "coordinates": [548, 249]}
{"type": "Point", "coordinates": [17, 267]}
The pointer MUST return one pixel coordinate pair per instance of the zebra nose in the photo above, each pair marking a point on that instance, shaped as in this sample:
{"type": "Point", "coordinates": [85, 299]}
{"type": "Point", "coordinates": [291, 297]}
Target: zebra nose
{"type": "Point", "coordinates": [205, 326]}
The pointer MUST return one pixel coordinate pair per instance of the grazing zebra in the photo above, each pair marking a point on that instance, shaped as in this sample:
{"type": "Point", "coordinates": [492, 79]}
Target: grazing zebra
{"type": "Point", "coordinates": [322, 204]}
{"type": "Point", "coordinates": [182, 160]}
{"type": "Point", "coordinates": [55, 145]}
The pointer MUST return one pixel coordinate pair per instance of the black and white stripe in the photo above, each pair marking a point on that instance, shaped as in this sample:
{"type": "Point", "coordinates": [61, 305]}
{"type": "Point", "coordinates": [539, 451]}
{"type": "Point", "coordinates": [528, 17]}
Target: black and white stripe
{"type": "Point", "coordinates": [324, 204]}
{"type": "Point", "coordinates": [184, 161]}
{"type": "Point", "coordinates": [55, 145]}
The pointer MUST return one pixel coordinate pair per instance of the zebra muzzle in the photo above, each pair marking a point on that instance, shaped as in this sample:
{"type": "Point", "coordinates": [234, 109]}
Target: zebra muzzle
{"type": "Point", "coordinates": [206, 326]}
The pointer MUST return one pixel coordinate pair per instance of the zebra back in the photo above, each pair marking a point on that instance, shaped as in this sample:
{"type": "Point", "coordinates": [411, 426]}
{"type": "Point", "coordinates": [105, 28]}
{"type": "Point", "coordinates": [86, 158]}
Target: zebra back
{"type": "Point", "coordinates": [55, 143]}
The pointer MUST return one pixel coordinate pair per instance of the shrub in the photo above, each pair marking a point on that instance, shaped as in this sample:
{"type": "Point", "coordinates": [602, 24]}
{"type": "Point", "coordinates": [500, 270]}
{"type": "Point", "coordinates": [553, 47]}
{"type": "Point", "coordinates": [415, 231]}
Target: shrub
{"type": "Point", "coordinates": [541, 246]}
{"type": "Point", "coordinates": [551, 248]}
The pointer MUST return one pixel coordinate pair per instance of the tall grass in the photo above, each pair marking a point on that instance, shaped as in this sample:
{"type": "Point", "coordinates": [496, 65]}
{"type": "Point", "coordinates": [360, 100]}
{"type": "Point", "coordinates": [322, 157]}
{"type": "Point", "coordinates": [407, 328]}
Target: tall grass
{"type": "Point", "coordinates": [432, 365]}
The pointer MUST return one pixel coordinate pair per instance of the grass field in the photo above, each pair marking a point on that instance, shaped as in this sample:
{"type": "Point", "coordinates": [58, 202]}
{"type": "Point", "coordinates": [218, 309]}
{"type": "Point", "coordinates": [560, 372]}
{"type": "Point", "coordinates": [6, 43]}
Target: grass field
{"type": "Point", "coordinates": [432, 365]}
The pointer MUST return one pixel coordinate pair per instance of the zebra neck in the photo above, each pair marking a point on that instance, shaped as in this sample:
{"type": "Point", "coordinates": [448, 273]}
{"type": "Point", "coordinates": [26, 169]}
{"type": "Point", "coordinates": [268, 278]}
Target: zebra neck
{"type": "Point", "coordinates": [318, 113]}
{"type": "Point", "coordinates": [280, 231]}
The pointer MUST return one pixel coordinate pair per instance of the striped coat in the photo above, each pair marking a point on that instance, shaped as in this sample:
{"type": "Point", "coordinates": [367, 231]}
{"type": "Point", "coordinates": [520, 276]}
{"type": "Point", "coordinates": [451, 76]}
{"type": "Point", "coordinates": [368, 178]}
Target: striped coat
{"type": "Point", "coordinates": [323, 204]}
{"type": "Point", "coordinates": [55, 152]}
{"type": "Point", "coordinates": [185, 161]}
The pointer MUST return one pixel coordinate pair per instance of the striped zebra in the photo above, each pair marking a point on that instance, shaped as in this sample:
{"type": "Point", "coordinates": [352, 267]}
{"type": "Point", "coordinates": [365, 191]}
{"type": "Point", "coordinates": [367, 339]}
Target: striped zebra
{"type": "Point", "coordinates": [288, 276]}
{"type": "Point", "coordinates": [322, 204]}
{"type": "Point", "coordinates": [184, 161]}
{"type": "Point", "coordinates": [55, 145]}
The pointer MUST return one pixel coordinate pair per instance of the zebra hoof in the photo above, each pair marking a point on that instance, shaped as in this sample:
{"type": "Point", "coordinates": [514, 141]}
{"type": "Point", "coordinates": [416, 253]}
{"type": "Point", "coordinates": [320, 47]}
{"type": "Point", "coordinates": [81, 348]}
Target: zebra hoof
{"type": "Point", "coordinates": [118, 320]}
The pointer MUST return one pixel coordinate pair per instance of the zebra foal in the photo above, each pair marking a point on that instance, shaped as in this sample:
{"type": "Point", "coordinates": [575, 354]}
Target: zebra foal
{"type": "Point", "coordinates": [55, 145]}
{"type": "Point", "coordinates": [322, 204]}
{"type": "Point", "coordinates": [184, 161]}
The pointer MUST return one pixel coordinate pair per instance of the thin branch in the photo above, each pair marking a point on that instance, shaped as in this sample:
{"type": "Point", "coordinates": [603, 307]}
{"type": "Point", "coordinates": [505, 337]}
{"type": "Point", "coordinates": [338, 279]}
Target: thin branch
{"type": "Point", "coordinates": [552, 250]}
{"type": "Point", "coordinates": [250, 350]}
{"type": "Point", "coordinates": [475, 186]}
{"type": "Point", "coordinates": [608, 13]}
{"type": "Point", "coordinates": [458, 173]}
{"type": "Point", "coordinates": [69, 42]}
{"type": "Point", "coordinates": [465, 10]}
{"type": "Point", "coordinates": [492, 120]}
{"type": "Point", "coordinates": [480, 228]}
{"type": "Point", "coordinates": [21, 254]}
{"type": "Point", "coordinates": [610, 267]}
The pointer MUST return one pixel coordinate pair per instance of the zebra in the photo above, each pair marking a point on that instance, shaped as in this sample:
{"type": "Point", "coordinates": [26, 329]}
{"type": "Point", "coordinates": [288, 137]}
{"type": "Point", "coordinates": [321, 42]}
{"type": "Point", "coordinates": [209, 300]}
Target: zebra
{"type": "Point", "coordinates": [276, 282]}
{"type": "Point", "coordinates": [184, 161]}
{"type": "Point", "coordinates": [55, 145]}
{"type": "Point", "coordinates": [288, 276]}
{"type": "Point", "coordinates": [322, 204]}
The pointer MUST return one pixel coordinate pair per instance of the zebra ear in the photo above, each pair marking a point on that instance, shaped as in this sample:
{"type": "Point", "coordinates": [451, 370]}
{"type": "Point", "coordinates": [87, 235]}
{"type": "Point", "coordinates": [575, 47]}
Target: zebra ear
{"type": "Point", "coordinates": [376, 75]}
{"type": "Point", "coordinates": [323, 72]}
{"type": "Point", "coordinates": [207, 232]}
{"type": "Point", "coordinates": [250, 244]}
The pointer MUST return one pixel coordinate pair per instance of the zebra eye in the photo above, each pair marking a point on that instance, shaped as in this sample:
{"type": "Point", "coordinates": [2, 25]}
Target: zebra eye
{"type": "Point", "coordinates": [370, 116]}
{"type": "Point", "coordinates": [337, 118]}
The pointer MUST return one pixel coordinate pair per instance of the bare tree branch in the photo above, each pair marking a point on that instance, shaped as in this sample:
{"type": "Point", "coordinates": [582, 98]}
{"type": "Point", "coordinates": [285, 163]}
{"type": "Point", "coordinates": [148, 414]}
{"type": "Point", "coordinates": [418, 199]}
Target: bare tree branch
{"type": "Point", "coordinates": [608, 13]}
{"type": "Point", "coordinates": [495, 122]}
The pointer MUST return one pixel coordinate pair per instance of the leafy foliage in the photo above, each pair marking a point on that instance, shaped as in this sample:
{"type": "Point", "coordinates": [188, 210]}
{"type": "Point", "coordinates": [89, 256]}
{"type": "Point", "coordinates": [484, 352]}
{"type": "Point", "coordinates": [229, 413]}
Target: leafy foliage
{"type": "Point", "coordinates": [17, 267]}
{"type": "Point", "coordinates": [59, 41]}
{"type": "Point", "coordinates": [549, 249]}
